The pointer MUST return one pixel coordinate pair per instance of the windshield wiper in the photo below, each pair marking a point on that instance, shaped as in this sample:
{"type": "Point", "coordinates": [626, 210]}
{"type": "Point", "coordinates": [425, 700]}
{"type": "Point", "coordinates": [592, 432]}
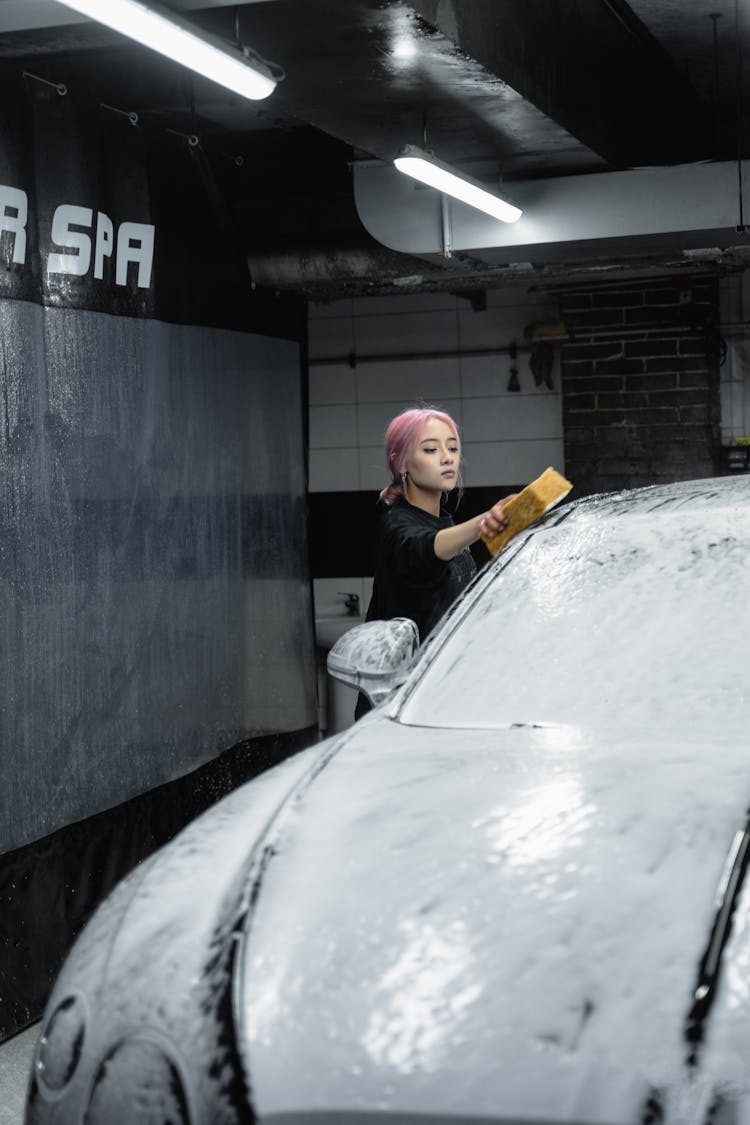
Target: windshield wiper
{"type": "Point", "coordinates": [733, 877]}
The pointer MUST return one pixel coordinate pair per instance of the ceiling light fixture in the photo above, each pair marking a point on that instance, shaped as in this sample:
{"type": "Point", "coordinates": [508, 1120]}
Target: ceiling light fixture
{"type": "Point", "coordinates": [171, 36]}
{"type": "Point", "coordinates": [423, 166]}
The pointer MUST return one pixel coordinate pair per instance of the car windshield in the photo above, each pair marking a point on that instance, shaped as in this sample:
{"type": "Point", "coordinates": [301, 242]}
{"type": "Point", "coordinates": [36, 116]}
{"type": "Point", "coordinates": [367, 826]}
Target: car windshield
{"type": "Point", "coordinates": [603, 619]}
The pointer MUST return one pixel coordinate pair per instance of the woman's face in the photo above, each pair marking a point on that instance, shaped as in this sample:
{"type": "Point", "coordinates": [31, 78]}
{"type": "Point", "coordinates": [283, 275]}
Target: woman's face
{"type": "Point", "coordinates": [433, 465]}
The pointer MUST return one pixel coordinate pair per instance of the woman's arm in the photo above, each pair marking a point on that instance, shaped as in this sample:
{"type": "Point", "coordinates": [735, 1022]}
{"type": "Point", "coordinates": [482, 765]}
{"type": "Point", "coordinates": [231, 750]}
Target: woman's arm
{"type": "Point", "coordinates": [452, 540]}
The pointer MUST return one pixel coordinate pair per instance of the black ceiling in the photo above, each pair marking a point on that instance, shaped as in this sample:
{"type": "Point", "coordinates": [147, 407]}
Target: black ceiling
{"type": "Point", "coordinates": [511, 89]}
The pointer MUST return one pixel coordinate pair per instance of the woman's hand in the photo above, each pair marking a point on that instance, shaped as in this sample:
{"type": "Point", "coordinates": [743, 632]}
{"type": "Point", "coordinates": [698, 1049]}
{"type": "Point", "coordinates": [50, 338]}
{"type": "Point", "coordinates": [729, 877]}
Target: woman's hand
{"type": "Point", "coordinates": [450, 540]}
{"type": "Point", "coordinates": [495, 520]}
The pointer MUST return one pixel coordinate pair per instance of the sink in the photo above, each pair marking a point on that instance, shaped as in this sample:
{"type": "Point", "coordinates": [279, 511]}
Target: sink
{"type": "Point", "coordinates": [336, 701]}
{"type": "Point", "coordinates": [329, 629]}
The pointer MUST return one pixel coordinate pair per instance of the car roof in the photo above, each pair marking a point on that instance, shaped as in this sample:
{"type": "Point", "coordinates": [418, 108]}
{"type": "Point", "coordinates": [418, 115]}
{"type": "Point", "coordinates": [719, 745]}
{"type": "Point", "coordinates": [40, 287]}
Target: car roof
{"type": "Point", "coordinates": [709, 492]}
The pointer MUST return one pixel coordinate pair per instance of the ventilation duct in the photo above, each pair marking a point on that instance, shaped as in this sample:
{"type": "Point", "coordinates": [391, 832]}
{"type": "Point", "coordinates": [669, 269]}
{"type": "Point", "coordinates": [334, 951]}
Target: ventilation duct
{"type": "Point", "coordinates": [573, 217]}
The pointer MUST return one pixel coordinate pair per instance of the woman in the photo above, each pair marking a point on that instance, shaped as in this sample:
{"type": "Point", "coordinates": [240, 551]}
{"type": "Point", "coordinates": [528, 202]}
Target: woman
{"type": "Point", "coordinates": [423, 560]}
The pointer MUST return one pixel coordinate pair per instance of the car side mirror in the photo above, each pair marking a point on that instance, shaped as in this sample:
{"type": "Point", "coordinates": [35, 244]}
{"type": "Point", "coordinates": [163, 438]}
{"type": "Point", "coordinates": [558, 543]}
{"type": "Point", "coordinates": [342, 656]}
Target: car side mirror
{"type": "Point", "coordinates": [375, 657]}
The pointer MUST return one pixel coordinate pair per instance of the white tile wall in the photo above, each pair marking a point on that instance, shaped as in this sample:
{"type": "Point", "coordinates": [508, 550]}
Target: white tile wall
{"type": "Point", "coordinates": [399, 304]}
{"type": "Point", "coordinates": [334, 427]}
{"type": "Point", "coordinates": [331, 335]}
{"type": "Point", "coordinates": [509, 462]}
{"type": "Point", "coordinates": [431, 379]}
{"type": "Point", "coordinates": [332, 385]}
{"type": "Point", "coordinates": [512, 417]}
{"type": "Point", "coordinates": [334, 470]}
{"type": "Point", "coordinates": [735, 373]}
{"type": "Point", "coordinates": [508, 436]}
{"type": "Point", "coordinates": [372, 469]}
{"type": "Point", "coordinates": [396, 332]}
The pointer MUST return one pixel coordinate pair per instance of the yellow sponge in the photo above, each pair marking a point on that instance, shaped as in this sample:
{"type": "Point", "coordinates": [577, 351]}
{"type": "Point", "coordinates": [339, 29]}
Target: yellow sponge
{"type": "Point", "coordinates": [531, 503]}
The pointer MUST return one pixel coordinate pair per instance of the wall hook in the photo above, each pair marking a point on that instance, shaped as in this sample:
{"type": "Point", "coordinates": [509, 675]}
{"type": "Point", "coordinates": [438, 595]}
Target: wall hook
{"type": "Point", "coordinates": [61, 88]}
{"type": "Point", "coordinates": [132, 116]}
{"type": "Point", "coordinates": [191, 138]}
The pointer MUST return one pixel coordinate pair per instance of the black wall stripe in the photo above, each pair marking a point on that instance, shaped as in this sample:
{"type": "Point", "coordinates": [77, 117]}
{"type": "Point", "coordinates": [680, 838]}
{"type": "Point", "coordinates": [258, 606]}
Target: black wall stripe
{"type": "Point", "coordinates": [343, 526]}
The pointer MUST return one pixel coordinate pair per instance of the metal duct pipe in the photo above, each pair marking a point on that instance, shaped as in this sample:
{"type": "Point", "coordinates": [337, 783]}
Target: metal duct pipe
{"type": "Point", "coordinates": [334, 260]}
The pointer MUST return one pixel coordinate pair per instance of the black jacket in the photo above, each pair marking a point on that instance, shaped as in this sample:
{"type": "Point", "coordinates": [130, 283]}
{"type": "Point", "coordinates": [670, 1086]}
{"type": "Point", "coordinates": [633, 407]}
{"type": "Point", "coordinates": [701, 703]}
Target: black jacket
{"type": "Point", "coordinates": [410, 580]}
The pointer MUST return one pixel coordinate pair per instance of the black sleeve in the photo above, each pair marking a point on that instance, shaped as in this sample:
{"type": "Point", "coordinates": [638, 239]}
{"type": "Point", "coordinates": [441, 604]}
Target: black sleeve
{"type": "Point", "coordinates": [410, 548]}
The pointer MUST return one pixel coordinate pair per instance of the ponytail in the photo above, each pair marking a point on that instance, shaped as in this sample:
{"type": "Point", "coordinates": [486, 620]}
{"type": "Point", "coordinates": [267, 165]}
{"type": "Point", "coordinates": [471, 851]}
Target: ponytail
{"type": "Point", "coordinates": [392, 492]}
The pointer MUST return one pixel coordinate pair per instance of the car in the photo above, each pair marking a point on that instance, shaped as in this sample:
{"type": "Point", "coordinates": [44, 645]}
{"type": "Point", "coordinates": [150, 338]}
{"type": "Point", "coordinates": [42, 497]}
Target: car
{"type": "Point", "coordinates": [515, 891]}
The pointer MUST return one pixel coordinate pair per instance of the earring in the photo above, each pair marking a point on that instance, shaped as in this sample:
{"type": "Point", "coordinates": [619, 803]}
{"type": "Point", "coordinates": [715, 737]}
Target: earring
{"type": "Point", "coordinates": [403, 482]}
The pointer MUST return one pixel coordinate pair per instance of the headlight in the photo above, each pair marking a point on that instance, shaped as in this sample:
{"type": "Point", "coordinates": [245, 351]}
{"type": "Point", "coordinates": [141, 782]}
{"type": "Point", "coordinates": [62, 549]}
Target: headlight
{"type": "Point", "coordinates": [60, 1046]}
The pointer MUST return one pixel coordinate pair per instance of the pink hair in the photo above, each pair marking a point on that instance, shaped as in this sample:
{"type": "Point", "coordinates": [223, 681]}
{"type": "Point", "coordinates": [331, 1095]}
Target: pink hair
{"type": "Point", "coordinates": [401, 439]}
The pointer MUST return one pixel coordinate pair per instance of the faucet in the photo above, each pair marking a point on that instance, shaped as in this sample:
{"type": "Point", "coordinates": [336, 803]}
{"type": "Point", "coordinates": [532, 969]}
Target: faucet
{"type": "Point", "coordinates": [351, 601]}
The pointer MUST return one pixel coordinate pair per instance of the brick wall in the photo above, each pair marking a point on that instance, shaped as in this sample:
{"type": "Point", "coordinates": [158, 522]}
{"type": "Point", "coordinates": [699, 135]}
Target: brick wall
{"type": "Point", "coordinates": [640, 384]}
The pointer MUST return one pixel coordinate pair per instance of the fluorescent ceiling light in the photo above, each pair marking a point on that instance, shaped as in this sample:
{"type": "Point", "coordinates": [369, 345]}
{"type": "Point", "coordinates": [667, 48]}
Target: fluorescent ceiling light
{"type": "Point", "coordinates": [173, 37]}
{"type": "Point", "coordinates": [429, 170]}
